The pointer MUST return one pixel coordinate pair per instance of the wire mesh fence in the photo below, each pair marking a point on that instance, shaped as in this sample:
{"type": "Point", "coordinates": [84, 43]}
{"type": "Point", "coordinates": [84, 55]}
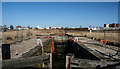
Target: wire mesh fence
{"type": "Point", "coordinates": [20, 35]}
{"type": "Point", "coordinates": [13, 36]}
{"type": "Point", "coordinates": [111, 36]}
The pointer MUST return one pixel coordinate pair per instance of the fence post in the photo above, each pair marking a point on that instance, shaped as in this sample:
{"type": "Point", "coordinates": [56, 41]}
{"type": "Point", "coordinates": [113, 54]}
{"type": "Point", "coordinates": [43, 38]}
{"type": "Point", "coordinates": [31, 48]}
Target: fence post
{"type": "Point", "coordinates": [16, 36]}
{"type": "Point", "coordinates": [29, 34]}
{"type": "Point", "coordinates": [21, 35]}
{"type": "Point", "coordinates": [3, 40]}
{"type": "Point", "coordinates": [86, 34]}
{"type": "Point", "coordinates": [50, 59]}
{"type": "Point", "coordinates": [0, 56]}
{"type": "Point", "coordinates": [90, 32]}
{"type": "Point", "coordinates": [6, 51]}
{"type": "Point", "coordinates": [119, 44]}
{"type": "Point", "coordinates": [69, 57]}
{"type": "Point", "coordinates": [41, 44]}
{"type": "Point", "coordinates": [104, 35]}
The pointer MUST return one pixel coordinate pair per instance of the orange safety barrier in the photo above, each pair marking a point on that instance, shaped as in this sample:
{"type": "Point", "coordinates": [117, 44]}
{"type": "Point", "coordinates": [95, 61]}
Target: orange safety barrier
{"type": "Point", "coordinates": [70, 39]}
{"type": "Point", "coordinates": [47, 37]}
{"type": "Point", "coordinates": [104, 41]}
{"type": "Point", "coordinates": [53, 46]}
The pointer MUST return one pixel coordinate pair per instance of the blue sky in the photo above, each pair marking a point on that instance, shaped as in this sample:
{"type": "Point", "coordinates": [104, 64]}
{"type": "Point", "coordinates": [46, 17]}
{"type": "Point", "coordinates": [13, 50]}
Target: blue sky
{"type": "Point", "coordinates": [60, 14]}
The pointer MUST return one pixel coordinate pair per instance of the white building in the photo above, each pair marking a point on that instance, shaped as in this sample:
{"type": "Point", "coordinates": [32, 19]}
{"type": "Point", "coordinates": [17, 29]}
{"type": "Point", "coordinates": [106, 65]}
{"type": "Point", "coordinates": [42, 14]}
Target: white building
{"type": "Point", "coordinates": [47, 27]}
{"type": "Point", "coordinates": [93, 28]}
{"type": "Point", "coordinates": [107, 25]}
{"type": "Point", "coordinates": [38, 27]}
{"type": "Point", "coordinates": [54, 27]}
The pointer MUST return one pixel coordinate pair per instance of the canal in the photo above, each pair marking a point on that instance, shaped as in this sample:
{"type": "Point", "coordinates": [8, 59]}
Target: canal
{"type": "Point", "coordinates": [62, 47]}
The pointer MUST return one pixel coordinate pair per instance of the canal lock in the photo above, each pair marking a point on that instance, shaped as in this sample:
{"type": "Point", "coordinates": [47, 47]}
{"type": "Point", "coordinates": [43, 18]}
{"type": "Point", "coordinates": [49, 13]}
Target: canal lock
{"type": "Point", "coordinates": [63, 46]}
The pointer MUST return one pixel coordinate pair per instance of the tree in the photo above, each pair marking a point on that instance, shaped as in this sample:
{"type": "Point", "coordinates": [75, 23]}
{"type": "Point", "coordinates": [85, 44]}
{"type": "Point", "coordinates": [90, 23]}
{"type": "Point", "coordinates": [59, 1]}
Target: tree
{"type": "Point", "coordinates": [28, 27]}
{"type": "Point", "coordinates": [11, 27]}
{"type": "Point", "coordinates": [36, 28]}
{"type": "Point", "coordinates": [5, 28]}
{"type": "Point", "coordinates": [80, 26]}
{"type": "Point", "coordinates": [90, 26]}
{"type": "Point", "coordinates": [31, 28]}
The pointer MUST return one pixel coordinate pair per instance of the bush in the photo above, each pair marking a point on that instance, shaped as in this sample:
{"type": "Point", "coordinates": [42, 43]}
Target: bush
{"type": "Point", "coordinates": [9, 38]}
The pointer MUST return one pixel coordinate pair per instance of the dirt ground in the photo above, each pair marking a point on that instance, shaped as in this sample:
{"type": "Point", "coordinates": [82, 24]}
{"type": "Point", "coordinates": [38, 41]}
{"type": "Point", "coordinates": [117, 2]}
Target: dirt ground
{"type": "Point", "coordinates": [22, 47]}
{"type": "Point", "coordinates": [10, 36]}
{"type": "Point", "coordinates": [111, 36]}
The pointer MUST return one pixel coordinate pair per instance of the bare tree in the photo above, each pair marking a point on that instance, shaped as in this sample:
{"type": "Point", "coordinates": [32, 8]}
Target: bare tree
{"type": "Point", "coordinates": [11, 27]}
{"type": "Point", "coordinates": [5, 28]}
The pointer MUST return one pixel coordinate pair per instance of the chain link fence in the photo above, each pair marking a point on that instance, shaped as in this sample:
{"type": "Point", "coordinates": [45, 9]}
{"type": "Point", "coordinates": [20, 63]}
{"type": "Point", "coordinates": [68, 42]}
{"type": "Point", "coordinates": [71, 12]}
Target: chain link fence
{"type": "Point", "coordinates": [13, 36]}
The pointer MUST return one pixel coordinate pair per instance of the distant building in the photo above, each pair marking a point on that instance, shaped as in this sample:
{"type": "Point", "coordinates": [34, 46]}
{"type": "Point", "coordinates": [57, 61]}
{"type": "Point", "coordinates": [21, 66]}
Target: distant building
{"type": "Point", "coordinates": [59, 27]}
{"type": "Point", "coordinates": [54, 27]}
{"type": "Point", "coordinates": [81, 28]}
{"type": "Point", "coordinates": [115, 25]}
{"type": "Point", "coordinates": [38, 27]}
{"type": "Point", "coordinates": [93, 28]}
{"type": "Point", "coordinates": [106, 25]}
{"type": "Point", "coordinates": [47, 27]}
{"type": "Point", "coordinates": [21, 28]}
{"type": "Point", "coordinates": [111, 25]}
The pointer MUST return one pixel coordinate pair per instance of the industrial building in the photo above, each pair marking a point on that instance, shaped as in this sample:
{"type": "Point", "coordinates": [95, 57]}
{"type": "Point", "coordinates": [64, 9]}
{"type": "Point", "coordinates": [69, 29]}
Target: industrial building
{"type": "Point", "coordinates": [111, 25]}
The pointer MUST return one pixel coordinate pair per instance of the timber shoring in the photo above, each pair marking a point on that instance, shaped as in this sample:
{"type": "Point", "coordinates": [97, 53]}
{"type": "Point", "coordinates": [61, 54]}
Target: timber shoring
{"type": "Point", "coordinates": [29, 58]}
{"type": "Point", "coordinates": [23, 62]}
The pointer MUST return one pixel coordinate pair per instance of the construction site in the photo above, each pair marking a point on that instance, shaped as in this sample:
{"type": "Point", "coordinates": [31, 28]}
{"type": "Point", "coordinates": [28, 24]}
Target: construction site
{"type": "Point", "coordinates": [60, 49]}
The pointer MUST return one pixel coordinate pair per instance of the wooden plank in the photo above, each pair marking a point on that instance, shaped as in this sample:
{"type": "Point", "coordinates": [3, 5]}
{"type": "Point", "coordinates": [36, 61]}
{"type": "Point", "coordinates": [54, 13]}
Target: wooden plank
{"type": "Point", "coordinates": [6, 51]}
{"type": "Point", "coordinates": [97, 53]}
{"type": "Point", "coordinates": [23, 62]}
{"type": "Point", "coordinates": [84, 63]}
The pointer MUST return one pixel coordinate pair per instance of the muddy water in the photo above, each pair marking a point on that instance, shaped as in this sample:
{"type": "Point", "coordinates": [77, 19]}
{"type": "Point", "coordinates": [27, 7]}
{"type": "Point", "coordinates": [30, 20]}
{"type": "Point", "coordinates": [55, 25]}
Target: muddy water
{"type": "Point", "coordinates": [59, 56]}
{"type": "Point", "coordinates": [61, 50]}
